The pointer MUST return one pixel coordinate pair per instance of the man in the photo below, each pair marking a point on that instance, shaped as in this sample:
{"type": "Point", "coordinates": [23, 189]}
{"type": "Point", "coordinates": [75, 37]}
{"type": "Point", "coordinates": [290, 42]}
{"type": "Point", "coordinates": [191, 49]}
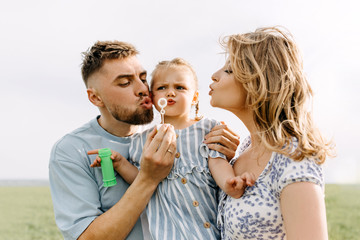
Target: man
{"type": "Point", "coordinates": [84, 208]}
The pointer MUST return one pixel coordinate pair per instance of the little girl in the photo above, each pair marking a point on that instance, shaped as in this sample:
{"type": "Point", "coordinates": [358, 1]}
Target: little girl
{"type": "Point", "coordinates": [184, 205]}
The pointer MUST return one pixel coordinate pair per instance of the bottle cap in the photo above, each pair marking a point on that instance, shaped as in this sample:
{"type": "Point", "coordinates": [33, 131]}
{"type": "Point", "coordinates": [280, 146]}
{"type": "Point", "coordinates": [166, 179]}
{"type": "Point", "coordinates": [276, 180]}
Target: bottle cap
{"type": "Point", "coordinates": [104, 152]}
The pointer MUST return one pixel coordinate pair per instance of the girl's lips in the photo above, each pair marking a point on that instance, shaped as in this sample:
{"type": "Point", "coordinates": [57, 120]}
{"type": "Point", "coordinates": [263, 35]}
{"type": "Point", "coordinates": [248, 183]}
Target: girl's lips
{"type": "Point", "coordinates": [171, 102]}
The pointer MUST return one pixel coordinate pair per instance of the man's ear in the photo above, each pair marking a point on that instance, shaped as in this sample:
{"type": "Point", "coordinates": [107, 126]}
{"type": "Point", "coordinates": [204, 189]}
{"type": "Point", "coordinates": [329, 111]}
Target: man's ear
{"type": "Point", "coordinates": [94, 98]}
{"type": "Point", "coordinates": [195, 98]}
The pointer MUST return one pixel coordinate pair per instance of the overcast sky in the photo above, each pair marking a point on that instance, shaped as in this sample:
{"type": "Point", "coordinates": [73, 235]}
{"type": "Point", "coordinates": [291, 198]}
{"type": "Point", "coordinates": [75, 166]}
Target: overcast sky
{"type": "Point", "coordinates": [43, 96]}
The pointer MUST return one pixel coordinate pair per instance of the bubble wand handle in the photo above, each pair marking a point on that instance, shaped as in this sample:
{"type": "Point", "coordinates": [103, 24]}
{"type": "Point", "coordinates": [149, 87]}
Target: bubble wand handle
{"type": "Point", "coordinates": [107, 168]}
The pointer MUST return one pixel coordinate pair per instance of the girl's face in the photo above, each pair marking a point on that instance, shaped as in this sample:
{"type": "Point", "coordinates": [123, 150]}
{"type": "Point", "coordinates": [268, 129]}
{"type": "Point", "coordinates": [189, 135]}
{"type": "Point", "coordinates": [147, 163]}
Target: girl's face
{"type": "Point", "coordinates": [178, 87]}
{"type": "Point", "coordinates": [226, 92]}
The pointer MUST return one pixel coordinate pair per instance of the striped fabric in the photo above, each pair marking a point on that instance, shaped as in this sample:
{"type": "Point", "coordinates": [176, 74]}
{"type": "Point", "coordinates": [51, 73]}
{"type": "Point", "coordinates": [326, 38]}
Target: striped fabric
{"type": "Point", "coordinates": [185, 203]}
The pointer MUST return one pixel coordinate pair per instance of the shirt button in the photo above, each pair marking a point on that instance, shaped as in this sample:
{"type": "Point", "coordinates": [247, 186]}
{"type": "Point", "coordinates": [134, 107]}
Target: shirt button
{"type": "Point", "coordinates": [207, 225]}
{"type": "Point", "coordinates": [183, 180]}
{"type": "Point", "coordinates": [177, 155]}
{"type": "Point", "coordinates": [195, 203]}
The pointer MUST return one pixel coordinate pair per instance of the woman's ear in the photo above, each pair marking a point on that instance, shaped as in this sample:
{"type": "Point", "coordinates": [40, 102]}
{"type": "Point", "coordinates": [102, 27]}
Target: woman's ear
{"type": "Point", "coordinates": [94, 98]}
{"type": "Point", "coordinates": [195, 98]}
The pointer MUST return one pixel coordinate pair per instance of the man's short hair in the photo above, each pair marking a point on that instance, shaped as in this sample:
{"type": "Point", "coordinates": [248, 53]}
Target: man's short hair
{"type": "Point", "coordinates": [94, 57]}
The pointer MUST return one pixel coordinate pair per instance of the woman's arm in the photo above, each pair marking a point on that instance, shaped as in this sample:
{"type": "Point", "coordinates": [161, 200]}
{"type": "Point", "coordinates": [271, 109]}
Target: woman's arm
{"type": "Point", "coordinates": [303, 209]}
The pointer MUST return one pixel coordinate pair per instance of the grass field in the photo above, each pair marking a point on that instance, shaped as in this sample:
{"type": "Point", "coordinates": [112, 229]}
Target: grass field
{"type": "Point", "coordinates": [343, 211]}
{"type": "Point", "coordinates": [26, 213]}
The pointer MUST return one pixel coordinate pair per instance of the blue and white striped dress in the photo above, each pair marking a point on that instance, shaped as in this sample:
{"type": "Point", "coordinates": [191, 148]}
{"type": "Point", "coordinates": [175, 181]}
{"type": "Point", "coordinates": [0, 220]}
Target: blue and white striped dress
{"type": "Point", "coordinates": [184, 206]}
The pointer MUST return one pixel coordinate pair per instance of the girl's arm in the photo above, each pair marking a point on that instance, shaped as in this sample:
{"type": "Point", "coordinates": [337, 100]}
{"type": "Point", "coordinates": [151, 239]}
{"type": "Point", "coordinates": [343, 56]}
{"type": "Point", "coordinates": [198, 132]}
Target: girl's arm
{"type": "Point", "coordinates": [224, 176]}
{"type": "Point", "coordinates": [303, 209]}
{"type": "Point", "coordinates": [126, 170]}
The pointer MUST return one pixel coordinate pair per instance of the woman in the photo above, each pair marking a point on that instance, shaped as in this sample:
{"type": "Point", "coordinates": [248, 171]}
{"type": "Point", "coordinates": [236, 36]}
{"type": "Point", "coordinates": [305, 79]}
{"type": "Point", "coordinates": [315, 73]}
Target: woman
{"type": "Point", "coordinates": [264, 85]}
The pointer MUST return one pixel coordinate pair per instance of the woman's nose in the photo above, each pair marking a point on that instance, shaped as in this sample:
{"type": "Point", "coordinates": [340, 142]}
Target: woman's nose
{"type": "Point", "coordinates": [214, 77]}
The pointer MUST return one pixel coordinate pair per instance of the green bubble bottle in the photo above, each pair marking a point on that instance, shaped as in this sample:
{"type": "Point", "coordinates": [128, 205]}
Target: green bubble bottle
{"type": "Point", "coordinates": [107, 168]}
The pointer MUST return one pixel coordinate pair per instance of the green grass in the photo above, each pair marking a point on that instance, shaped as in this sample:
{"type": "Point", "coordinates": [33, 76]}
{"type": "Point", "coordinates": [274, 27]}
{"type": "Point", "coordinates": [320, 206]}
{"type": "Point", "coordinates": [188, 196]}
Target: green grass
{"type": "Point", "coordinates": [26, 213]}
{"type": "Point", "coordinates": [343, 211]}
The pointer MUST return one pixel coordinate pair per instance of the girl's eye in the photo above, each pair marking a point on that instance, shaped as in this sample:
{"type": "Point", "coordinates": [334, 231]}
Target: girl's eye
{"type": "Point", "coordinates": [160, 88]}
{"type": "Point", "coordinates": [228, 71]}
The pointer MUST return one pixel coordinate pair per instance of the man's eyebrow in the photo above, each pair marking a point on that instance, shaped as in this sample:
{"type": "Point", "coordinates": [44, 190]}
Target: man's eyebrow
{"type": "Point", "coordinates": [143, 73]}
{"type": "Point", "coordinates": [121, 76]}
{"type": "Point", "coordinates": [124, 76]}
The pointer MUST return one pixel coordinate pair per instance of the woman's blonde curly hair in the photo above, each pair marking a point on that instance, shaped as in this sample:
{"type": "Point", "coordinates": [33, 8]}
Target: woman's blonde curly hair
{"type": "Point", "coordinates": [269, 65]}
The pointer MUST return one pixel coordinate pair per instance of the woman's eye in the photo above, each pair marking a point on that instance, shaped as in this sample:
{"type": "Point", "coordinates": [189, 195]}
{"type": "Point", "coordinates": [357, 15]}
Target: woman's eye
{"type": "Point", "coordinates": [160, 88]}
{"type": "Point", "coordinates": [180, 88]}
{"type": "Point", "coordinates": [228, 71]}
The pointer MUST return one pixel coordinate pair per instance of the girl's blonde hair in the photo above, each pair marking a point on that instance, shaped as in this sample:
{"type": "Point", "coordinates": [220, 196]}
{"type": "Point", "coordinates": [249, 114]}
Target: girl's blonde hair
{"type": "Point", "coordinates": [175, 63]}
{"type": "Point", "coordinates": [269, 65]}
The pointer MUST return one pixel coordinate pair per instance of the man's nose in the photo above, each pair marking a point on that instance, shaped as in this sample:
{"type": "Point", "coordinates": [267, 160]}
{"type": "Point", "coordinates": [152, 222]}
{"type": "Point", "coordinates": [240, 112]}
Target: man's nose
{"type": "Point", "coordinates": [142, 89]}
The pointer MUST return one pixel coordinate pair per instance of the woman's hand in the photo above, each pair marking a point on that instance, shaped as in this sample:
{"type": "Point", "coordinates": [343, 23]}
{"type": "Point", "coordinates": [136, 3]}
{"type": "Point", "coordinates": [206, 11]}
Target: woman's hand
{"type": "Point", "coordinates": [223, 139]}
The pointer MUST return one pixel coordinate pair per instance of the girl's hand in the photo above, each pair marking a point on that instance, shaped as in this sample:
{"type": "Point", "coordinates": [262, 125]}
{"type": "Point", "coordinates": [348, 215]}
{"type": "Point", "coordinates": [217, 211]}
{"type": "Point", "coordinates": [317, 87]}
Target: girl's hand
{"type": "Point", "coordinates": [248, 178]}
{"type": "Point", "coordinates": [116, 157]}
{"type": "Point", "coordinates": [235, 186]}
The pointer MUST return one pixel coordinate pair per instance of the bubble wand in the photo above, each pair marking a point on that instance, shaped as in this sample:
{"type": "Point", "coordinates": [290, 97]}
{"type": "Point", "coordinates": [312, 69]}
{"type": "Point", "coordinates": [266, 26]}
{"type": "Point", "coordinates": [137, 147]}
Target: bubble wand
{"type": "Point", "coordinates": [162, 104]}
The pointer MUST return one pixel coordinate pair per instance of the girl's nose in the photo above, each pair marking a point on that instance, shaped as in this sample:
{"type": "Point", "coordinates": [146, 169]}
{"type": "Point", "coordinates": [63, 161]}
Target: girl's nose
{"type": "Point", "coordinates": [170, 93]}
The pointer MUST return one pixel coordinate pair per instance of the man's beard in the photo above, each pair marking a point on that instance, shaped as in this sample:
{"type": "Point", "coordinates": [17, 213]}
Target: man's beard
{"type": "Point", "coordinates": [139, 117]}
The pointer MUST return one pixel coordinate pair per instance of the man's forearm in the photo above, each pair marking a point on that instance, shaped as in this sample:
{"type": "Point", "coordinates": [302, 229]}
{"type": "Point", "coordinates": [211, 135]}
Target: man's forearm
{"type": "Point", "coordinates": [118, 221]}
{"type": "Point", "coordinates": [156, 164]}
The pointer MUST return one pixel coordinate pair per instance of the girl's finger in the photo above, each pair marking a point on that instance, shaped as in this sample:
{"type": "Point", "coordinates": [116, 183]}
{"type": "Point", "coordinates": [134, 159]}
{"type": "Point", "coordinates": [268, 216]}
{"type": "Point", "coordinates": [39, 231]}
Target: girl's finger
{"type": "Point", "coordinates": [95, 151]}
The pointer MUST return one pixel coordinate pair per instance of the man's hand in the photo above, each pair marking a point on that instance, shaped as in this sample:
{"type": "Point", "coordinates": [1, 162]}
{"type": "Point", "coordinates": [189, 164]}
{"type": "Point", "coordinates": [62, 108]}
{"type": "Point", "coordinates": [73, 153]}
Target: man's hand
{"type": "Point", "coordinates": [227, 139]}
{"type": "Point", "coordinates": [158, 154]}
{"type": "Point", "coordinates": [156, 162]}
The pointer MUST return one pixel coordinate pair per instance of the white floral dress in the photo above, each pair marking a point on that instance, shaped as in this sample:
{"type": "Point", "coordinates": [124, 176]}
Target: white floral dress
{"type": "Point", "coordinates": [257, 214]}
